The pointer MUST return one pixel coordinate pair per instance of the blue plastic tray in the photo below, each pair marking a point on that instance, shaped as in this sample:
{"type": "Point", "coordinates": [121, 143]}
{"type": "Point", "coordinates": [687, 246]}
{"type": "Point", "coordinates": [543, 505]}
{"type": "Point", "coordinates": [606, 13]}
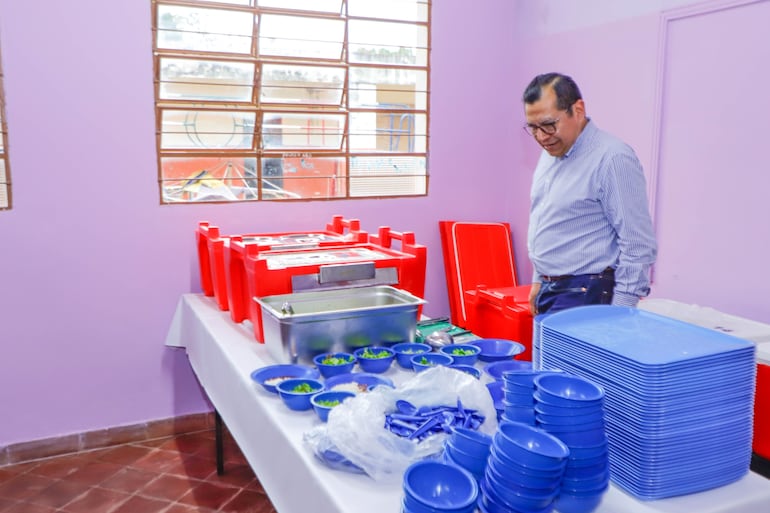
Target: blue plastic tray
{"type": "Point", "coordinates": [642, 336]}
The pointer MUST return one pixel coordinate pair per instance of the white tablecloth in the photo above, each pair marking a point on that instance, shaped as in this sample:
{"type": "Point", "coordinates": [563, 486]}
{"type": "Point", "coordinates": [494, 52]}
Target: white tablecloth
{"type": "Point", "coordinates": [223, 355]}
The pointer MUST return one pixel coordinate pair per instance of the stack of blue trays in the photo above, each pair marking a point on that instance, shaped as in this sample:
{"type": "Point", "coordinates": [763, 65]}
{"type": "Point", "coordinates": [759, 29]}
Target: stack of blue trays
{"type": "Point", "coordinates": [678, 397]}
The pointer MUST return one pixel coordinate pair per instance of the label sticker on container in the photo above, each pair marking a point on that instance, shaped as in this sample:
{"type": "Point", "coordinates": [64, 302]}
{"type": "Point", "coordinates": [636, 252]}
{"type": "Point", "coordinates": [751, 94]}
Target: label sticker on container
{"type": "Point", "coordinates": [337, 255]}
{"type": "Point", "coordinates": [291, 239]}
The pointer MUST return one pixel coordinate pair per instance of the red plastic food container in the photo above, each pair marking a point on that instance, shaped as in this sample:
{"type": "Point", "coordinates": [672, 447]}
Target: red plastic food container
{"type": "Point", "coordinates": [238, 248]}
{"type": "Point", "coordinates": [501, 313]}
{"type": "Point", "coordinates": [216, 265]}
{"type": "Point", "coordinates": [476, 255]}
{"type": "Point", "coordinates": [761, 444]}
{"type": "Point", "coordinates": [278, 272]}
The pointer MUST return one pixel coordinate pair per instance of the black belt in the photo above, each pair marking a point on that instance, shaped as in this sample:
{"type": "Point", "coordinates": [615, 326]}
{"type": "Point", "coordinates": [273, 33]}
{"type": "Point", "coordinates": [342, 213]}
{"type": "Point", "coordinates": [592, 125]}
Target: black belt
{"type": "Point", "coordinates": [607, 272]}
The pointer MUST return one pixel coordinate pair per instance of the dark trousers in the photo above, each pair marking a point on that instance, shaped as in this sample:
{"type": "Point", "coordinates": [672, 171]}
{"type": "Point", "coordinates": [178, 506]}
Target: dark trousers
{"type": "Point", "coordinates": [579, 290]}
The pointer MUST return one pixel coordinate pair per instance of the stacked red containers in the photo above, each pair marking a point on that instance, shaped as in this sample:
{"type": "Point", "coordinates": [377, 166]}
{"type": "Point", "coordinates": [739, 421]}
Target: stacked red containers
{"type": "Point", "coordinates": [211, 264]}
{"type": "Point", "coordinates": [501, 313]}
{"type": "Point", "coordinates": [236, 268]}
{"type": "Point", "coordinates": [242, 246]}
{"type": "Point", "coordinates": [277, 272]}
{"type": "Point", "coordinates": [219, 256]}
{"type": "Point", "coordinates": [484, 294]}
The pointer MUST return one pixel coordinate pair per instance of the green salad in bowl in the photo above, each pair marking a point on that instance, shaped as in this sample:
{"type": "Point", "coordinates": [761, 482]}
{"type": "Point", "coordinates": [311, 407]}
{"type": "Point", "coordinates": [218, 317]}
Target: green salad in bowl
{"type": "Point", "coordinates": [375, 359]}
{"type": "Point", "coordinates": [333, 364]}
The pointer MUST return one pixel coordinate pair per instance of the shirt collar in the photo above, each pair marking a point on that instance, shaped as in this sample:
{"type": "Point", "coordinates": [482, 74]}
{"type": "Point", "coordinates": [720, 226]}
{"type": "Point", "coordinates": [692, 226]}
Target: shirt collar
{"type": "Point", "coordinates": [584, 135]}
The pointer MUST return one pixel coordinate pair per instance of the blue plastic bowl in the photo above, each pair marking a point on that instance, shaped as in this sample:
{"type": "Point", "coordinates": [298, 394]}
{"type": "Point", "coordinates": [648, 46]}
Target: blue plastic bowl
{"type": "Point", "coordinates": [375, 365]}
{"type": "Point", "coordinates": [595, 490]}
{"type": "Point", "coordinates": [529, 445]}
{"type": "Point", "coordinates": [496, 391]}
{"type": "Point", "coordinates": [578, 407]}
{"type": "Point", "coordinates": [572, 418]}
{"type": "Point", "coordinates": [588, 452]}
{"type": "Point", "coordinates": [331, 396]}
{"type": "Point", "coordinates": [566, 389]}
{"type": "Point", "coordinates": [520, 378]}
{"type": "Point", "coordinates": [412, 506]}
{"type": "Point", "coordinates": [477, 453]}
{"type": "Point", "coordinates": [268, 377]}
{"type": "Point", "coordinates": [557, 429]}
{"type": "Point", "coordinates": [514, 482]}
{"type": "Point", "coordinates": [440, 485]}
{"type": "Point", "coordinates": [432, 360]}
{"type": "Point", "coordinates": [588, 438]}
{"type": "Point", "coordinates": [514, 398]}
{"type": "Point", "coordinates": [586, 484]}
{"type": "Point", "coordinates": [461, 359]}
{"type": "Point", "coordinates": [496, 369]}
{"type": "Point", "coordinates": [471, 441]}
{"type": "Point", "coordinates": [356, 382]}
{"type": "Point", "coordinates": [523, 414]}
{"type": "Point", "coordinates": [567, 503]}
{"type": "Point", "coordinates": [520, 479]}
{"type": "Point", "coordinates": [298, 401]}
{"type": "Point", "coordinates": [565, 411]}
{"type": "Point", "coordinates": [468, 369]}
{"type": "Point", "coordinates": [577, 464]}
{"type": "Point", "coordinates": [518, 418]}
{"type": "Point", "coordinates": [582, 472]}
{"type": "Point", "coordinates": [487, 505]}
{"type": "Point", "coordinates": [516, 501]}
{"type": "Point", "coordinates": [329, 370]}
{"type": "Point", "coordinates": [497, 349]}
{"type": "Point", "coordinates": [474, 462]}
{"type": "Point", "coordinates": [405, 350]}
{"type": "Point", "coordinates": [506, 465]}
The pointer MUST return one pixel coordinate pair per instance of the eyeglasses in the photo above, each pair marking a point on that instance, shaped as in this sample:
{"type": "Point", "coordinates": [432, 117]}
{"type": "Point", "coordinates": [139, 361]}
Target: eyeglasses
{"type": "Point", "coordinates": [548, 128]}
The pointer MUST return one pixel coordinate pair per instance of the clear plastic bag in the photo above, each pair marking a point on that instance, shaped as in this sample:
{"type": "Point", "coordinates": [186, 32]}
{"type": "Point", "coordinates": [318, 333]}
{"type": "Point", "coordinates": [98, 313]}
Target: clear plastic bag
{"type": "Point", "coordinates": [356, 429]}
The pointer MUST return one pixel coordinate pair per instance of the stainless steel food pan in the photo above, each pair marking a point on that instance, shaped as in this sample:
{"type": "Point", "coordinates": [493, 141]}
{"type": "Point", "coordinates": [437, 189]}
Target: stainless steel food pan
{"type": "Point", "coordinates": [301, 325]}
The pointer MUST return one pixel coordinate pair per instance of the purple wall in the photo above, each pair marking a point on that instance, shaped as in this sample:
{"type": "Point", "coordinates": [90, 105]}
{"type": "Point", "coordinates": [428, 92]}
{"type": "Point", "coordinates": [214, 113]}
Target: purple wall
{"type": "Point", "coordinates": [92, 269]}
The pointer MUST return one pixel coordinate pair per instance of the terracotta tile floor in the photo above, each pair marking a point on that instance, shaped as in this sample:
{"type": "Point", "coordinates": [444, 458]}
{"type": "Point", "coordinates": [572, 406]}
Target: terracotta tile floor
{"type": "Point", "coordinates": [166, 475]}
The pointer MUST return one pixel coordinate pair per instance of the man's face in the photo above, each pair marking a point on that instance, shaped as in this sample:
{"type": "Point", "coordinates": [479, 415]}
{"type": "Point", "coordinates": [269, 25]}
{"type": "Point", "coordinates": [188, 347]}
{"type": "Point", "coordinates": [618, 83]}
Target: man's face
{"type": "Point", "coordinates": [543, 116]}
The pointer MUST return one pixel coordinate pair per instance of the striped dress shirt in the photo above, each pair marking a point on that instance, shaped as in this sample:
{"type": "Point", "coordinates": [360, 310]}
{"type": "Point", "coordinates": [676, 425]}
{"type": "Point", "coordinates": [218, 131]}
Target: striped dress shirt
{"type": "Point", "coordinates": [589, 211]}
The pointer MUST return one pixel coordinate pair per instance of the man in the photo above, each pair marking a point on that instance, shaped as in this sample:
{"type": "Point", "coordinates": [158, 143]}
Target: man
{"type": "Point", "coordinates": [590, 237]}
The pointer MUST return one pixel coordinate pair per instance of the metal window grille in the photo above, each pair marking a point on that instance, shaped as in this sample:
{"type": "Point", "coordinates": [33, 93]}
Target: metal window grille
{"type": "Point", "coordinates": [291, 99]}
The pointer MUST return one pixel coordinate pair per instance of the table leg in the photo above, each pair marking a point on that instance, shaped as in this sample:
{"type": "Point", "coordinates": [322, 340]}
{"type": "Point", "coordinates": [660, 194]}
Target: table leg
{"type": "Point", "coordinates": [219, 442]}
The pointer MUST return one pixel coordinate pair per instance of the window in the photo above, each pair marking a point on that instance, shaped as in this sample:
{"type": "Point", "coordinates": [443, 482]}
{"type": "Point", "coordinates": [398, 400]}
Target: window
{"type": "Point", "coordinates": [291, 99]}
{"type": "Point", "coordinates": [5, 173]}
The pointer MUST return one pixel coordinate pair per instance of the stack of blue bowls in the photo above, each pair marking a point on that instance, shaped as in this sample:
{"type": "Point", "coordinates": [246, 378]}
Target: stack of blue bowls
{"type": "Point", "coordinates": [496, 392]}
{"type": "Point", "coordinates": [468, 449]}
{"type": "Point", "coordinates": [518, 395]}
{"type": "Point", "coordinates": [524, 471]}
{"type": "Point", "coordinates": [434, 487]}
{"type": "Point", "coordinates": [518, 400]}
{"type": "Point", "coordinates": [572, 408]}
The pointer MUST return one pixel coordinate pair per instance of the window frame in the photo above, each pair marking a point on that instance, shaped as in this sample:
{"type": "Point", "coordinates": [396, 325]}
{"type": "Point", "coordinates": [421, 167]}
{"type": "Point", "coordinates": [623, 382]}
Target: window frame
{"type": "Point", "coordinates": [5, 178]}
{"type": "Point", "coordinates": [415, 168]}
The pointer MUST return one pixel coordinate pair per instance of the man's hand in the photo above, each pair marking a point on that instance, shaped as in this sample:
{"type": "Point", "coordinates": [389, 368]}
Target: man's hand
{"type": "Point", "coordinates": [532, 296]}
